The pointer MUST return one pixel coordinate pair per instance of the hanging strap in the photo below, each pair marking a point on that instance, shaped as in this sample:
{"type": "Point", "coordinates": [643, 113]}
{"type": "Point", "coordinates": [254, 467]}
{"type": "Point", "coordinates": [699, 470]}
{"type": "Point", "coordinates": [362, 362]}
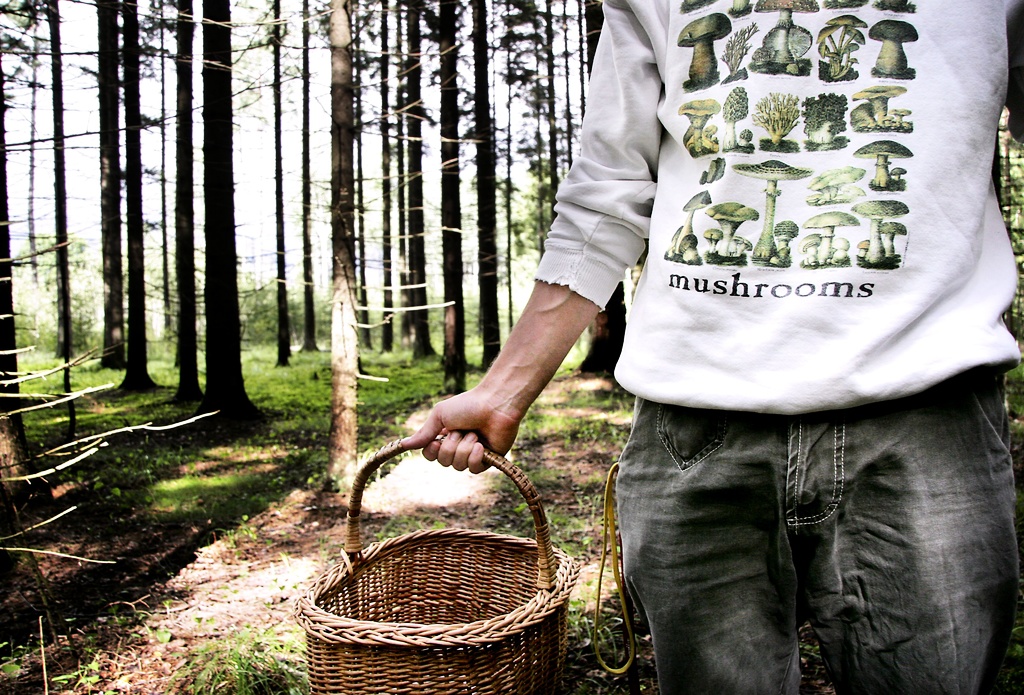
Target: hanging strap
{"type": "Point", "coordinates": [610, 545]}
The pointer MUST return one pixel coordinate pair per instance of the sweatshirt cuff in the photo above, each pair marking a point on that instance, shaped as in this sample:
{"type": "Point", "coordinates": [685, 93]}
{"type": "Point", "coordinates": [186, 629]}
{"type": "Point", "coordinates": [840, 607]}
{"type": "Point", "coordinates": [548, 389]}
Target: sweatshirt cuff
{"type": "Point", "coordinates": [583, 274]}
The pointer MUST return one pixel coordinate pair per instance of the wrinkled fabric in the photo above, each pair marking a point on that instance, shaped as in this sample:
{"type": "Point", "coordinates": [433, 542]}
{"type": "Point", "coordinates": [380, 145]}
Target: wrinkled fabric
{"type": "Point", "coordinates": [889, 527]}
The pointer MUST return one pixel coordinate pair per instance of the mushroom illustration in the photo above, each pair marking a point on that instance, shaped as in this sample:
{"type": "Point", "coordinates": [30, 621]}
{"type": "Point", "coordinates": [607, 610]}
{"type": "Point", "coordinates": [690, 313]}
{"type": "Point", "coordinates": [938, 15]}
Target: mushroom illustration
{"type": "Point", "coordinates": [713, 235]}
{"type": "Point", "coordinates": [740, 8]}
{"type": "Point", "coordinates": [898, 116]}
{"type": "Point", "coordinates": [771, 171]}
{"type": "Point", "coordinates": [840, 252]}
{"type": "Point", "coordinates": [896, 5]}
{"type": "Point", "coordinates": [889, 232]}
{"type": "Point", "coordinates": [715, 170]}
{"type": "Point", "coordinates": [878, 211]}
{"type": "Point", "coordinates": [690, 255]}
{"type": "Point", "coordinates": [730, 216]}
{"type": "Point", "coordinates": [896, 182]}
{"type": "Point", "coordinates": [809, 248]}
{"type": "Point", "coordinates": [834, 186]}
{"type": "Point", "coordinates": [837, 42]}
{"type": "Point", "coordinates": [892, 59]}
{"type": "Point", "coordinates": [738, 247]}
{"type": "Point", "coordinates": [785, 232]}
{"type": "Point", "coordinates": [883, 151]}
{"type": "Point", "coordinates": [874, 115]}
{"type": "Point", "coordinates": [786, 43]}
{"type": "Point", "coordinates": [691, 5]}
{"type": "Point", "coordinates": [700, 35]}
{"type": "Point", "coordinates": [827, 223]}
{"type": "Point", "coordinates": [696, 140]}
{"type": "Point", "coordinates": [675, 249]}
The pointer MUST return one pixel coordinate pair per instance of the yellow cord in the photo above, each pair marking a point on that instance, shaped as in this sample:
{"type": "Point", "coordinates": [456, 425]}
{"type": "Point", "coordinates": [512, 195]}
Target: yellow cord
{"type": "Point", "coordinates": [609, 540]}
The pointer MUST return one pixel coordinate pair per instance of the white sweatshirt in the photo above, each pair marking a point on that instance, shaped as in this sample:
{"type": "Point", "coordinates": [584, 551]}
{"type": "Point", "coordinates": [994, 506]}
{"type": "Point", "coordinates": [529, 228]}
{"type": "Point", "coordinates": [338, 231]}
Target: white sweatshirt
{"type": "Point", "coordinates": [814, 181]}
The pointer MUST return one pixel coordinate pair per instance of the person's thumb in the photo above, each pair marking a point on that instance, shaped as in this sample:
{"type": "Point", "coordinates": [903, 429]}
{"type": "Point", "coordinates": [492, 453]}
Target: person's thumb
{"type": "Point", "coordinates": [427, 433]}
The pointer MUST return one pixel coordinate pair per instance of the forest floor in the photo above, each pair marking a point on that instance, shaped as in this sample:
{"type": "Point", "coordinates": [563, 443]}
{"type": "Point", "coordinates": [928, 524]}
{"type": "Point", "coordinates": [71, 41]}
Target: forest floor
{"type": "Point", "coordinates": [188, 592]}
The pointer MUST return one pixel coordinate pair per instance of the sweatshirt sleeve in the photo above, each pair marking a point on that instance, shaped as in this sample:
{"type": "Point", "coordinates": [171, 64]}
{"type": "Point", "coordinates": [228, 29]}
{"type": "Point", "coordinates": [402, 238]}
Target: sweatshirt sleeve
{"type": "Point", "coordinates": [604, 205]}
{"type": "Point", "coordinates": [1015, 88]}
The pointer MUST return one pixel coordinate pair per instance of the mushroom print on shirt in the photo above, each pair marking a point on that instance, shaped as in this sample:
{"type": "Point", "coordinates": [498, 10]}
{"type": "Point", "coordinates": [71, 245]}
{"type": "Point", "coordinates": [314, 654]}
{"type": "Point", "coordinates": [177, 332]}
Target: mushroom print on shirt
{"type": "Point", "coordinates": [811, 181]}
{"type": "Point", "coordinates": [813, 98]}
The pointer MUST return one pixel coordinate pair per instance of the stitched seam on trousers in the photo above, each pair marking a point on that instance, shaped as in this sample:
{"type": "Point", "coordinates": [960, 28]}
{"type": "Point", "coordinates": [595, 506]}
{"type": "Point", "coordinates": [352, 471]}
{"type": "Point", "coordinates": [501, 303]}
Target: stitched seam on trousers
{"type": "Point", "coordinates": [793, 466]}
{"type": "Point", "coordinates": [723, 426]}
{"type": "Point", "coordinates": [838, 474]}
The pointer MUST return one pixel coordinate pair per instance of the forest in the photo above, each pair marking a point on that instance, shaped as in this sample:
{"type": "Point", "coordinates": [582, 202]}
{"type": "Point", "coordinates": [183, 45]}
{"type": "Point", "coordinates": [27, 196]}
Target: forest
{"type": "Point", "coordinates": [243, 246]}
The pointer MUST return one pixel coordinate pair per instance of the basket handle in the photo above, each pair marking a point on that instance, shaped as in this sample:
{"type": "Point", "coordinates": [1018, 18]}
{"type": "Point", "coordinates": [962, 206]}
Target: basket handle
{"type": "Point", "coordinates": [546, 565]}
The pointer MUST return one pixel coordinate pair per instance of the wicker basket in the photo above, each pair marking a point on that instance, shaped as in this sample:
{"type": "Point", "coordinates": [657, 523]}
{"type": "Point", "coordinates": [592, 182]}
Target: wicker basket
{"type": "Point", "coordinates": [440, 611]}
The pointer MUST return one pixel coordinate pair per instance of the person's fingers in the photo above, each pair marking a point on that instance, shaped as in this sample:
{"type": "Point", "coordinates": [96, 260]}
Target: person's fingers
{"type": "Point", "coordinates": [476, 459]}
{"type": "Point", "coordinates": [468, 444]}
{"type": "Point", "coordinates": [448, 450]}
{"type": "Point", "coordinates": [426, 434]}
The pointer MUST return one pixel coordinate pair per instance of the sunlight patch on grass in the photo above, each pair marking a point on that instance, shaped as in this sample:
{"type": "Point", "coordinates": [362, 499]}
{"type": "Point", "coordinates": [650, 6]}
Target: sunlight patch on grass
{"type": "Point", "coordinates": [214, 497]}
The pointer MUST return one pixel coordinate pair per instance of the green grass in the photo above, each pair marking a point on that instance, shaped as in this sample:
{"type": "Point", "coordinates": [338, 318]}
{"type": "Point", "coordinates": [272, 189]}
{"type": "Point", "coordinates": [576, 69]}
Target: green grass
{"type": "Point", "coordinates": [175, 475]}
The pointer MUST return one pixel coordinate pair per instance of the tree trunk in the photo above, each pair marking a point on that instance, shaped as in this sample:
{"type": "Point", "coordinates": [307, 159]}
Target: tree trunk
{"type": "Point", "coordinates": [451, 205]}
{"type": "Point", "coordinates": [400, 149]}
{"type": "Point", "coordinates": [33, 111]}
{"type": "Point", "coordinates": [344, 341]}
{"type": "Point", "coordinates": [421, 346]}
{"type": "Point", "coordinates": [387, 340]}
{"type": "Point", "coordinates": [284, 338]}
{"type": "Point", "coordinates": [566, 53]}
{"type": "Point", "coordinates": [308, 305]}
{"type": "Point", "coordinates": [184, 213]}
{"type": "Point", "coordinates": [551, 105]}
{"type": "Point", "coordinates": [225, 387]}
{"type": "Point", "coordinates": [164, 250]}
{"type": "Point", "coordinates": [136, 377]}
{"type": "Point", "coordinates": [609, 327]}
{"type": "Point", "coordinates": [113, 356]}
{"type": "Point", "coordinates": [60, 203]}
{"type": "Point", "coordinates": [365, 337]}
{"type": "Point", "coordinates": [12, 432]}
{"type": "Point", "coordinates": [490, 320]}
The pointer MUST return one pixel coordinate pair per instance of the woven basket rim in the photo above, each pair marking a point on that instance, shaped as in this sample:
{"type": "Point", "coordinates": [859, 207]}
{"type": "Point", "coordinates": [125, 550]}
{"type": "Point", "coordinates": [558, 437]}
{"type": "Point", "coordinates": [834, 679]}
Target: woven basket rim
{"type": "Point", "coordinates": [332, 627]}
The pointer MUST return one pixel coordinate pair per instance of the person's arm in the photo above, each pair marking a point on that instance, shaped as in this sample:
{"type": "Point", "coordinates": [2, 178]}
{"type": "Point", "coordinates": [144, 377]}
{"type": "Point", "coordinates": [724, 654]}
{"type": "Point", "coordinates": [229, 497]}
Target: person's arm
{"type": "Point", "coordinates": [490, 413]}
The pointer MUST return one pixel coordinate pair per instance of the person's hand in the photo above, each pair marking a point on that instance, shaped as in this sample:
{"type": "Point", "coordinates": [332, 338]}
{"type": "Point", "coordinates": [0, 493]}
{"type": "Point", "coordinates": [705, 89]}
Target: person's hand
{"type": "Point", "coordinates": [465, 423]}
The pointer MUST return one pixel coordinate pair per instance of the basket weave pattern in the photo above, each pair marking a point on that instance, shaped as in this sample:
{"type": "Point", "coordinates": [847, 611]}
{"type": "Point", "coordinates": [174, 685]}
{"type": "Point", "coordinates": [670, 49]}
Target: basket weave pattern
{"type": "Point", "coordinates": [449, 611]}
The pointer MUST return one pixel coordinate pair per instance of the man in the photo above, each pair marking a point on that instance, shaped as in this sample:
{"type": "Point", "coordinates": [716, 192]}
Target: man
{"type": "Point", "coordinates": [816, 341]}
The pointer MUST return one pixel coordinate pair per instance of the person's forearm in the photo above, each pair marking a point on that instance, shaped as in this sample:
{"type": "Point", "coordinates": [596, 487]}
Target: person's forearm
{"type": "Point", "coordinates": [554, 318]}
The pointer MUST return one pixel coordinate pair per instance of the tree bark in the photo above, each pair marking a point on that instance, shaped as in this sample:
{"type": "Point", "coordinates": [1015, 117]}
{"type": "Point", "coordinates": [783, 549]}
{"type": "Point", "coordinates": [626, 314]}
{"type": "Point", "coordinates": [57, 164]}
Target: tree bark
{"type": "Point", "coordinates": [184, 212]}
{"type": "Point", "coordinates": [365, 337]}
{"type": "Point", "coordinates": [421, 346]}
{"type": "Point", "coordinates": [308, 305]}
{"type": "Point", "coordinates": [284, 331]}
{"type": "Point", "coordinates": [165, 259]}
{"type": "Point", "coordinates": [136, 376]}
{"type": "Point", "coordinates": [60, 202]}
{"type": "Point", "coordinates": [113, 356]}
{"type": "Point", "coordinates": [225, 387]}
{"type": "Point", "coordinates": [344, 340]}
{"type": "Point", "coordinates": [12, 431]}
{"type": "Point", "coordinates": [609, 328]}
{"type": "Point", "coordinates": [551, 105]}
{"type": "Point", "coordinates": [486, 197]}
{"type": "Point", "coordinates": [451, 205]}
{"type": "Point", "coordinates": [403, 182]}
{"type": "Point", "coordinates": [387, 340]}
